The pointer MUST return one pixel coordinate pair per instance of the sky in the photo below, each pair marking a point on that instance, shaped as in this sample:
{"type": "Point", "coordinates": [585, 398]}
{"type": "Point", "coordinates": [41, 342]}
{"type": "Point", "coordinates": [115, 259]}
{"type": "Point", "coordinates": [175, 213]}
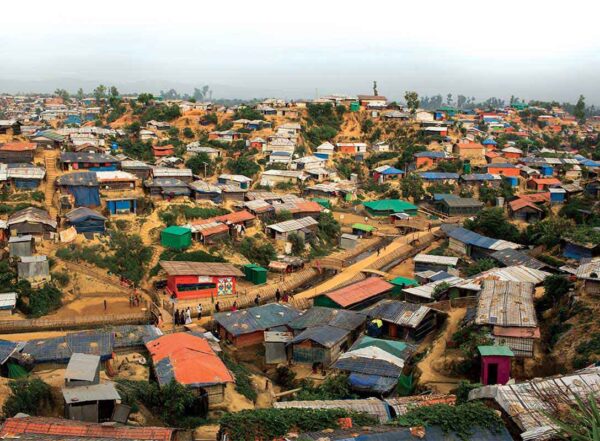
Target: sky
{"type": "Point", "coordinates": [528, 48]}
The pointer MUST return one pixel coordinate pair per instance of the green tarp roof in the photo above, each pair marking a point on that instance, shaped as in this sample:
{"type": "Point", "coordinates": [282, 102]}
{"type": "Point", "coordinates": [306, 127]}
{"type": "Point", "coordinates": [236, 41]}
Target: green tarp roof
{"type": "Point", "coordinates": [177, 231]}
{"type": "Point", "coordinates": [404, 281]}
{"type": "Point", "coordinates": [396, 348]}
{"type": "Point", "coordinates": [503, 351]}
{"type": "Point", "coordinates": [363, 227]}
{"type": "Point", "coordinates": [393, 205]}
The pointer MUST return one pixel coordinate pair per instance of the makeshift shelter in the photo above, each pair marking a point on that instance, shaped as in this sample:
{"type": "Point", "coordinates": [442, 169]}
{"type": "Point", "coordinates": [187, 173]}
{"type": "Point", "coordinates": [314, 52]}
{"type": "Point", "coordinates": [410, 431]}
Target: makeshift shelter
{"type": "Point", "coordinates": [355, 296]}
{"type": "Point", "coordinates": [32, 221]}
{"type": "Point", "coordinates": [495, 364]}
{"type": "Point", "coordinates": [473, 244]}
{"type": "Point", "coordinates": [363, 230]}
{"type": "Point", "coordinates": [352, 321]}
{"type": "Point", "coordinates": [348, 241]}
{"type": "Point", "coordinates": [177, 238]}
{"type": "Point", "coordinates": [305, 227]}
{"type": "Point", "coordinates": [88, 161]}
{"type": "Point", "coordinates": [460, 206]}
{"type": "Point", "coordinates": [371, 406]}
{"type": "Point", "coordinates": [196, 280]}
{"type": "Point", "coordinates": [95, 403]}
{"type": "Point", "coordinates": [386, 207]}
{"type": "Point", "coordinates": [408, 321]}
{"type": "Point", "coordinates": [246, 327]}
{"type": "Point", "coordinates": [532, 404]}
{"type": "Point", "coordinates": [8, 303]}
{"type": "Point", "coordinates": [34, 269]}
{"type": "Point", "coordinates": [82, 370]}
{"type": "Point", "coordinates": [190, 360]}
{"type": "Point", "coordinates": [374, 365]}
{"type": "Point", "coordinates": [19, 246]}
{"type": "Point", "coordinates": [60, 349]}
{"type": "Point", "coordinates": [426, 262]}
{"type": "Point", "coordinates": [514, 326]}
{"type": "Point", "coordinates": [319, 344]}
{"type": "Point", "coordinates": [85, 220]}
{"type": "Point", "coordinates": [83, 186]}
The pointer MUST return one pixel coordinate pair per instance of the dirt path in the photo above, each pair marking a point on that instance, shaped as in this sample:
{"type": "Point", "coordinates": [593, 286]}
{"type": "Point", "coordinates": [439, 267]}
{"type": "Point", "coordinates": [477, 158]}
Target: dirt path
{"type": "Point", "coordinates": [430, 375]}
{"type": "Point", "coordinates": [347, 274]}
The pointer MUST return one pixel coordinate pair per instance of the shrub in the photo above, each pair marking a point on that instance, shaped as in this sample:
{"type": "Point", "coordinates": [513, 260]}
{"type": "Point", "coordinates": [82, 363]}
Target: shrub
{"type": "Point", "coordinates": [62, 278]}
{"type": "Point", "coordinates": [257, 251]}
{"type": "Point", "coordinates": [27, 396]}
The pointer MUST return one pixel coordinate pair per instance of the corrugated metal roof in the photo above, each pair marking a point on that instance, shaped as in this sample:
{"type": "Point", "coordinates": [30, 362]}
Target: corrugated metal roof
{"type": "Point", "coordinates": [87, 157]}
{"type": "Point", "coordinates": [95, 392]}
{"type": "Point", "coordinates": [7, 349]}
{"type": "Point", "coordinates": [8, 300]}
{"type": "Point", "coordinates": [589, 270]}
{"type": "Point", "coordinates": [325, 335]}
{"type": "Point", "coordinates": [506, 304]}
{"type": "Point", "coordinates": [398, 312]}
{"type": "Point", "coordinates": [371, 406]}
{"type": "Point", "coordinates": [82, 367]}
{"type": "Point", "coordinates": [471, 238]}
{"type": "Point", "coordinates": [293, 225]}
{"type": "Point", "coordinates": [259, 318]}
{"type": "Point", "coordinates": [516, 273]}
{"type": "Point", "coordinates": [175, 268]}
{"type": "Point", "coordinates": [509, 257]}
{"type": "Point", "coordinates": [530, 403]}
{"type": "Point", "coordinates": [338, 318]}
{"type": "Point", "coordinates": [426, 291]}
{"type": "Point", "coordinates": [441, 260]}
{"type": "Point", "coordinates": [359, 291]}
{"type": "Point", "coordinates": [438, 175]}
{"type": "Point", "coordinates": [402, 405]}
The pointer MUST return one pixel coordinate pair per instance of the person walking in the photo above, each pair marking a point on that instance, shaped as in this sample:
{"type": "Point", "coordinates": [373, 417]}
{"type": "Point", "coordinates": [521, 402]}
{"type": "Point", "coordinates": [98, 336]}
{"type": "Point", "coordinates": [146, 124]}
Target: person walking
{"type": "Point", "coordinates": [199, 311]}
{"type": "Point", "coordinates": [234, 307]}
{"type": "Point", "coordinates": [277, 295]}
{"type": "Point", "coordinates": [188, 316]}
{"type": "Point", "coordinates": [257, 300]}
{"type": "Point", "coordinates": [217, 307]}
{"type": "Point", "coordinates": [105, 305]}
{"type": "Point", "coordinates": [131, 300]}
{"type": "Point", "coordinates": [285, 297]}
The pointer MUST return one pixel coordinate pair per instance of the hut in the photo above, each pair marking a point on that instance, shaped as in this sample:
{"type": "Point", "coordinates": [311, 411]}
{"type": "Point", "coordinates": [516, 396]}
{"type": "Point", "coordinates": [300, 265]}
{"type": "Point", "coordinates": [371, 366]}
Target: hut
{"type": "Point", "coordinates": [200, 280]}
{"type": "Point", "coordinates": [88, 161]}
{"type": "Point", "coordinates": [177, 238]}
{"type": "Point", "coordinates": [247, 327]}
{"type": "Point", "coordinates": [460, 206]}
{"type": "Point", "coordinates": [355, 296]}
{"type": "Point", "coordinates": [386, 207]}
{"type": "Point", "coordinates": [94, 404]}
{"type": "Point", "coordinates": [19, 246]}
{"type": "Point", "coordinates": [82, 186]}
{"type": "Point", "coordinates": [34, 269]}
{"type": "Point", "coordinates": [82, 370]}
{"type": "Point", "coordinates": [25, 176]}
{"type": "Point", "coordinates": [138, 168]}
{"type": "Point", "coordinates": [167, 188]}
{"type": "Point", "coordinates": [404, 320]}
{"type": "Point", "coordinates": [348, 241]}
{"type": "Point", "coordinates": [305, 227]}
{"type": "Point", "coordinates": [8, 303]}
{"type": "Point", "coordinates": [495, 364]}
{"type": "Point", "coordinates": [32, 221]}
{"type": "Point", "coordinates": [429, 262]}
{"type": "Point", "coordinates": [191, 361]}
{"type": "Point", "coordinates": [86, 221]}
{"type": "Point", "coordinates": [17, 152]}
{"type": "Point", "coordinates": [525, 210]}
{"type": "Point", "coordinates": [204, 191]}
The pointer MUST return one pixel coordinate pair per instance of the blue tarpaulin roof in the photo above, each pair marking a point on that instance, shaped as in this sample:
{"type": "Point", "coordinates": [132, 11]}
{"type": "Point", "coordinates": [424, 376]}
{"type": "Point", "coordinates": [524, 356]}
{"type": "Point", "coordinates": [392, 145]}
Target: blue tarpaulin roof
{"type": "Point", "coordinates": [429, 154]}
{"type": "Point", "coordinates": [372, 383]}
{"type": "Point", "coordinates": [60, 349]}
{"type": "Point", "coordinates": [391, 171]}
{"type": "Point", "coordinates": [480, 177]}
{"type": "Point", "coordinates": [6, 350]}
{"type": "Point", "coordinates": [431, 176]}
{"type": "Point", "coordinates": [259, 318]}
{"type": "Point", "coordinates": [338, 318]}
{"type": "Point", "coordinates": [326, 336]}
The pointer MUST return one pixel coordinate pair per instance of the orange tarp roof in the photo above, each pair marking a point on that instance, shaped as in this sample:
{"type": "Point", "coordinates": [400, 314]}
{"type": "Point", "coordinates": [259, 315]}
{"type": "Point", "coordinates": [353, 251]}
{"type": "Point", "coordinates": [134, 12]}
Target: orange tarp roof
{"type": "Point", "coordinates": [470, 145]}
{"type": "Point", "coordinates": [192, 359]}
{"type": "Point", "coordinates": [357, 292]}
{"type": "Point", "coordinates": [18, 146]}
{"type": "Point", "coordinates": [537, 197]}
{"type": "Point", "coordinates": [547, 181]}
{"type": "Point", "coordinates": [500, 331]}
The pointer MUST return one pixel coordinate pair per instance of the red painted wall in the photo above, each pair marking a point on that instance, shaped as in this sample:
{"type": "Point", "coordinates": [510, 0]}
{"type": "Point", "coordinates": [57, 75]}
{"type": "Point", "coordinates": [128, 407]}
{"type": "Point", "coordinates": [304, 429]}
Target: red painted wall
{"type": "Point", "coordinates": [503, 171]}
{"type": "Point", "coordinates": [503, 368]}
{"type": "Point", "coordinates": [173, 281]}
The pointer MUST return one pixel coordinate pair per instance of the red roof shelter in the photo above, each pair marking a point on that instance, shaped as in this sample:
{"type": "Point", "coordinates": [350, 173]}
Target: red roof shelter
{"type": "Point", "coordinates": [62, 428]}
{"type": "Point", "coordinates": [200, 280]}
{"type": "Point", "coordinates": [357, 295]}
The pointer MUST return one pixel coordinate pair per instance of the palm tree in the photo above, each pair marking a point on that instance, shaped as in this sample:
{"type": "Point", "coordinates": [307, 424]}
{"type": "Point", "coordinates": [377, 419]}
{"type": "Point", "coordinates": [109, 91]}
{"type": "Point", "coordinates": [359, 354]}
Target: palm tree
{"type": "Point", "coordinates": [582, 423]}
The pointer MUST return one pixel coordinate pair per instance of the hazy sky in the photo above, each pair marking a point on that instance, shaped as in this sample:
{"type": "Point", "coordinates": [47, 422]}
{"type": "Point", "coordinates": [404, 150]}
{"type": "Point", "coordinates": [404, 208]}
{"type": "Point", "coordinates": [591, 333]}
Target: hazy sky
{"type": "Point", "coordinates": [532, 49]}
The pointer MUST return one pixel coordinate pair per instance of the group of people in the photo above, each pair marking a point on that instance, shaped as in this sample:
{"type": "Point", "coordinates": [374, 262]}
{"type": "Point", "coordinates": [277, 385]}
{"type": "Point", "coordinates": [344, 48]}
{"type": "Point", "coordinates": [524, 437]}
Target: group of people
{"type": "Point", "coordinates": [279, 297]}
{"type": "Point", "coordinates": [184, 316]}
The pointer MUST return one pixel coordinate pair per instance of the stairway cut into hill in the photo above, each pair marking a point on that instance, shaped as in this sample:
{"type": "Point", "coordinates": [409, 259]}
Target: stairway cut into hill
{"type": "Point", "coordinates": [51, 174]}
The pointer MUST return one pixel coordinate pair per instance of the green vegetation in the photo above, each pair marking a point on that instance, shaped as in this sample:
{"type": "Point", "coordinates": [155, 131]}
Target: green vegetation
{"type": "Point", "coordinates": [587, 352]}
{"type": "Point", "coordinates": [488, 194]}
{"type": "Point", "coordinates": [174, 403]}
{"type": "Point", "coordinates": [28, 396]}
{"type": "Point", "coordinates": [124, 255]}
{"type": "Point", "coordinates": [583, 234]}
{"type": "Point", "coordinates": [244, 165]}
{"type": "Point", "coordinates": [297, 242]}
{"type": "Point", "coordinates": [440, 289]}
{"type": "Point", "coordinates": [480, 266]}
{"type": "Point", "coordinates": [201, 165]}
{"type": "Point", "coordinates": [243, 383]}
{"type": "Point", "coordinates": [492, 222]}
{"type": "Point", "coordinates": [247, 113]}
{"type": "Point", "coordinates": [468, 338]}
{"type": "Point", "coordinates": [333, 388]}
{"type": "Point", "coordinates": [460, 419]}
{"type": "Point", "coordinates": [257, 250]}
{"type": "Point", "coordinates": [412, 187]}
{"type": "Point", "coordinates": [463, 389]}
{"type": "Point", "coordinates": [160, 112]}
{"type": "Point", "coordinates": [580, 423]}
{"type": "Point", "coordinates": [188, 212]}
{"type": "Point", "coordinates": [547, 232]}
{"type": "Point", "coordinates": [268, 424]}
{"type": "Point", "coordinates": [324, 123]}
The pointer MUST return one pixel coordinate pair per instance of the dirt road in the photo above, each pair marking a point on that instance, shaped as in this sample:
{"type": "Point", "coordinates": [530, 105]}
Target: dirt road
{"type": "Point", "coordinates": [347, 274]}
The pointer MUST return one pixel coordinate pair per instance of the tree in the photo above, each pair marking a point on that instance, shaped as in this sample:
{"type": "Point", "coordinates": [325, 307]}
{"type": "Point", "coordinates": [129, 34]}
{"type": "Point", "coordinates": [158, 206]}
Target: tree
{"type": "Point", "coordinates": [297, 242]}
{"type": "Point", "coordinates": [257, 250]}
{"type": "Point", "coordinates": [412, 101]}
{"type": "Point", "coordinates": [412, 186]}
{"type": "Point", "coordinates": [547, 232]}
{"type": "Point", "coordinates": [100, 93]}
{"type": "Point", "coordinates": [576, 423]}
{"type": "Point", "coordinates": [579, 111]}
{"type": "Point", "coordinates": [114, 92]}
{"type": "Point", "coordinates": [449, 99]}
{"type": "Point", "coordinates": [201, 164]}
{"type": "Point", "coordinates": [80, 94]}
{"type": "Point", "coordinates": [555, 287]}
{"type": "Point", "coordinates": [243, 165]}
{"type": "Point", "coordinates": [329, 229]}
{"type": "Point", "coordinates": [493, 223]}
{"type": "Point", "coordinates": [145, 98]}
{"type": "Point", "coordinates": [63, 94]}
{"type": "Point", "coordinates": [188, 133]}
{"type": "Point", "coordinates": [461, 101]}
{"type": "Point", "coordinates": [480, 266]}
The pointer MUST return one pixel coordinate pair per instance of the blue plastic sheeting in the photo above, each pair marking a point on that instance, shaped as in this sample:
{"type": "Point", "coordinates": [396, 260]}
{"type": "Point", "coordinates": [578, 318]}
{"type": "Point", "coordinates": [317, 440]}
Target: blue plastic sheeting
{"type": "Point", "coordinates": [27, 183]}
{"type": "Point", "coordinates": [479, 177]}
{"type": "Point", "coordinates": [6, 350]}
{"type": "Point", "coordinates": [574, 251]}
{"type": "Point", "coordinates": [104, 168]}
{"type": "Point", "coordinates": [432, 176]}
{"type": "Point", "coordinates": [60, 349]}
{"type": "Point", "coordinates": [85, 196]}
{"type": "Point", "coordinates": [164, 371]}
{"type": "Point", "coordinates": [471, 238]}
{"type": "Point", "coordinates": [372, 383]}
{"type": "Point", "coordinates": [428, 154]}
{"type": "Point", "coordinates": [392, 171]}
{"type": "Point", "coordinates": [122, 206]}
{"type": "Point", "coordinates": [368, 366]}
{"type": "Point", "coordinates": [129, 336]}
{"type": "Point", "coordinates": [258, 318]}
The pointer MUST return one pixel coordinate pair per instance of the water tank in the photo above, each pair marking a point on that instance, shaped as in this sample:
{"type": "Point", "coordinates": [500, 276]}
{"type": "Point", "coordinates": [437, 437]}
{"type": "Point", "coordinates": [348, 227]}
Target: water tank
{"type": "Point", "coordinates": [466, 167]}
